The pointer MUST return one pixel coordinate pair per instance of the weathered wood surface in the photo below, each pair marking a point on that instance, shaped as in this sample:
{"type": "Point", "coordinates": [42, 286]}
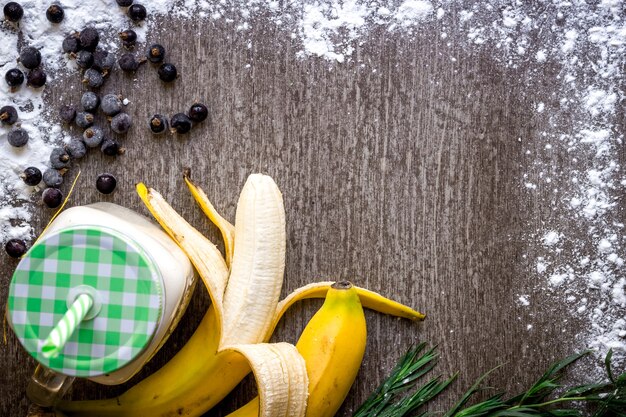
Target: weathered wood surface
{"type": "Point", "coordinates": [402, 175]}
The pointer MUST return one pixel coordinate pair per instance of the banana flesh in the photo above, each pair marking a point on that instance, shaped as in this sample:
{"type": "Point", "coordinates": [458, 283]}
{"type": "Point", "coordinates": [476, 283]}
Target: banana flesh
{"type": "Point", "coordinates": [256, 275]}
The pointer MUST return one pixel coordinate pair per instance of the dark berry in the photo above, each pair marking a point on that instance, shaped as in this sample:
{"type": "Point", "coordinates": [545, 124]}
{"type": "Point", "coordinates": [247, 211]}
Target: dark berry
{"type": "Point", "coordinates": [158, 124]}
{"type": "Point", "coordinates": [84, 59]}
{"type": "Point", "coordinates": [59, 158]}
{"type": "Point", "coordinates": [129, 63]}
{"type": "Point", "coordinates": [13, 11]}
{"type": "Point", "coordinates": [52, 178]}
{"type": "Point", "coordinates": [198, 112]}
{"type": "Point", "coordinates": [67, 113]}
{"type": "Point", "coordinates": [52, 197]}
{"type": "Point", "coordinates": [167, 72]}
{"type": "Point", "coordinates": [14, 77]}
{"type": "Point", "coordinates": [106, 183]}
{"type": "Point", "coordinates": [76, 148]}
{"type": "Point", "coordinates": [93, 136]}
{"type": "Point", "coordinates": [31, 176]}
{"type": "Point", "coordinates": [89, 39]}
{"type": "Point", "coordinates": [110, 147]}
{"type": "Point", "coordinates": [15, 248]}
{"type": "Point", "coordinates": [84, 119]}
{"type": "Point", "coordinates": [55, 13]}
{"type": "Point", "coordinates": [90, 101]}
{"type": "Point", "coordinates": [124, 3]}
{"type": "Point", "coordinates": [71, 43]}
{"type": "Point", "coordinates": [36, 78]}
{"type": "Point", "coordinates": [156, 53]}
{"type": "Point", "coordinates": [180, 123]}
{"type": "Point", "coordinates": [93, 78]}
{"type": "Point", "coordinates": [128, 37]}
{"type": "Point", "coordinates": [137, 12]}
{"type": "Point", "coordinates": [30, 57]}
{"type": "Point", "coordinates": [17, 137]}
{"type": "Point", "coordinates": [103, 61]}
{"type": "Point", "coordinates": [8, 115]}
{"type": "Point", "coordinates": [111, 105]}
{"type": "Point", "coordinates": [121, 122]}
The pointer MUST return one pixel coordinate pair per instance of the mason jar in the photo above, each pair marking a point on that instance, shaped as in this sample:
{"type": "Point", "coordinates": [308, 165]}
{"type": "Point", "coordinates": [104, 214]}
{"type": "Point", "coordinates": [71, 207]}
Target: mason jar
{"type": "Point", "coordinates": [139, 283]}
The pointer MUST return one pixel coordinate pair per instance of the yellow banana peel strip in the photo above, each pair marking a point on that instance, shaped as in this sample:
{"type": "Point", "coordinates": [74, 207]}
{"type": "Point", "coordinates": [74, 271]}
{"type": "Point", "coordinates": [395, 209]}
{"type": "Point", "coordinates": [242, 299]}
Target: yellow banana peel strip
{"type": "Point", "coordinates": [369, 299]}
{"type": "Point", "coordinates": [201, 251]}
{"type": "Point", "coordinates": [225, 227]}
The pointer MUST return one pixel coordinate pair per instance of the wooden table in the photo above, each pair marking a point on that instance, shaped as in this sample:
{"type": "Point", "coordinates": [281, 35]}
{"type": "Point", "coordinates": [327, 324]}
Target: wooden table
{"type": "Point", "coordinates": [401, 171]}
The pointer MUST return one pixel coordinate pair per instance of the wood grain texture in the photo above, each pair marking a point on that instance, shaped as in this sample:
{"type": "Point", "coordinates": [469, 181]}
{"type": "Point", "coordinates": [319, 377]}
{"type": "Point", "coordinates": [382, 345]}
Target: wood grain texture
{"type": "Point", "coordinates": [402, 175]}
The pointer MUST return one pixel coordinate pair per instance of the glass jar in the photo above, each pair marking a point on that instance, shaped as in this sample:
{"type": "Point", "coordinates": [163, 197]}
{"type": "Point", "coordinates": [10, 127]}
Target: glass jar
{"type": "Point", "coordinates": [140, 283]}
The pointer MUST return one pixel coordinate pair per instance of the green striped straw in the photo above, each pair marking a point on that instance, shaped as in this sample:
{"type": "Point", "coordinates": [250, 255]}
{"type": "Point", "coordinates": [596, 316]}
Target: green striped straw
{"type": "Point", "coordinates": [54, 343]}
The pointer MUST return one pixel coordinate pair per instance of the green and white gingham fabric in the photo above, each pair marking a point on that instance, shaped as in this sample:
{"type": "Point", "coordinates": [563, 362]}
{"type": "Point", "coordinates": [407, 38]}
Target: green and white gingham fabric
{"type": "Point", "coordinates": [129, 292]}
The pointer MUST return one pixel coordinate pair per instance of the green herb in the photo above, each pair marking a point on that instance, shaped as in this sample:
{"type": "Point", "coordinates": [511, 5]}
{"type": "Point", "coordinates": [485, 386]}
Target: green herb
{"type": "Point", "coordinates": [388, 401]}
{"type": "Point", "coordinates": [545, 398]}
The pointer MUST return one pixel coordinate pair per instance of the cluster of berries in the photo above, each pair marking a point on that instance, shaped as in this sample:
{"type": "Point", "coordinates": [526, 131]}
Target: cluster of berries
{"type": "Point", "coordinates": [30, 57]}
{"type": "Point", "coordinates": [128, 62]}
{"type": "Point", "coordinates": [52, 197]}
{"type": "Point", "coordinates": [97, 64]}
{"type": "Point", "coordinates": [180, 122]}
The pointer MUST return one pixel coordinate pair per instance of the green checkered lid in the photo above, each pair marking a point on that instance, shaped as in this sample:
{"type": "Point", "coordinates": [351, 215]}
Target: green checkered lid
{"type": "Point", "coordinates": [118, 276]}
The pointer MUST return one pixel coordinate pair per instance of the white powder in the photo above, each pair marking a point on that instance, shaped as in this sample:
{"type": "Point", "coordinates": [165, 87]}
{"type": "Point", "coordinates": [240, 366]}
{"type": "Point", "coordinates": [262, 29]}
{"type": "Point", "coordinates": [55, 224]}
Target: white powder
{"type": "Point", "coordinates": [412, 11]}
{"type": "Point", "coordinates": [557, 279]}
{"type": "Point", "coordinates": [551, 238]}
{"type": "Point", "coordinates": [580, 255]}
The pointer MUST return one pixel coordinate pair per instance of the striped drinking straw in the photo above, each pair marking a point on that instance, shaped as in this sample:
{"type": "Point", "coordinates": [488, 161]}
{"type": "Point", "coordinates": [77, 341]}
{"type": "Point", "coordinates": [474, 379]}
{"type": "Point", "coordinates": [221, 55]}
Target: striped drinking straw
{"type": "Point", "coordinates": [54, 343]}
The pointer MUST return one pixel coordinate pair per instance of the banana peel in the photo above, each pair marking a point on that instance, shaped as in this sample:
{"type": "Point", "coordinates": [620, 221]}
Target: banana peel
{"type": "Point", "coordinates": [332, 345]}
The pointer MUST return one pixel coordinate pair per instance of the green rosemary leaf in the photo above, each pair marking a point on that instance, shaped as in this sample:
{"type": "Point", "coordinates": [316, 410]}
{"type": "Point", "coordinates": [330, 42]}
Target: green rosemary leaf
{"type": "Point", "coordinates": [546, 384]}
{"type": "Point", "coordinates": [587, 390]}
{"type": "Point", "coordinates": [470, 392]}
{"type": "Point", "coordinates": [408, 405]}
{"type": "Point", "coordinates": [412, 366]}
{"type": "Point", "coordinates": [487, 407]}
{"type": "Point", "coordinates": [607, 364]}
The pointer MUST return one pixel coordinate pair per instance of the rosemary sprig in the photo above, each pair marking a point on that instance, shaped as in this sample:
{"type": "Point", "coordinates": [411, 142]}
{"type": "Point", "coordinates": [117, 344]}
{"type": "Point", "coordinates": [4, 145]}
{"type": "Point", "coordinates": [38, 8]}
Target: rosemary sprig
{"type": "Point", "coordinates": [545, 398]}
{"type": "Point", "coordinates": [388, 400]}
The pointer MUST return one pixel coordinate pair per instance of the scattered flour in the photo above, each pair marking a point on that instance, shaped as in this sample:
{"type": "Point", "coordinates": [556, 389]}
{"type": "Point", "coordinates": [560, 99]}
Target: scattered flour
{"type": "Point", "coordinates": [551, 238]}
